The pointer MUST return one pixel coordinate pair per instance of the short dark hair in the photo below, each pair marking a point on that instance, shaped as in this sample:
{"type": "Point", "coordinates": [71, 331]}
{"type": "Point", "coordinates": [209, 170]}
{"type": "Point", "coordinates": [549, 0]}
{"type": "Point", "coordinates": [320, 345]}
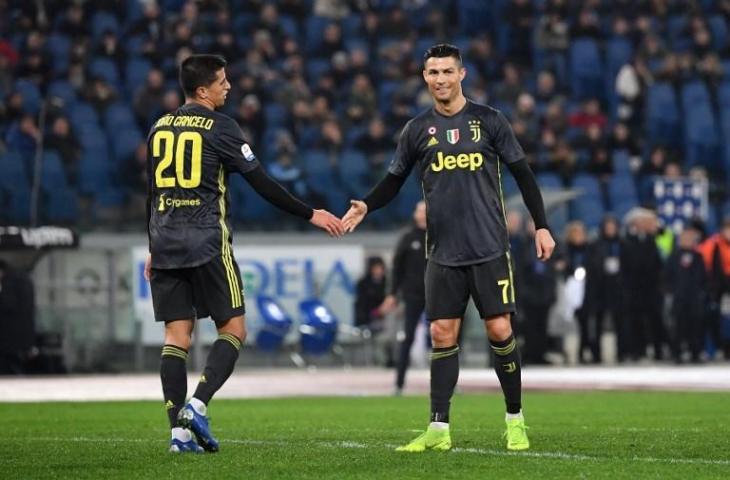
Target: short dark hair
{"type": "Point", "coordinates": [199, 71]}
{"type": "Point", "coordinates": [442, 50]}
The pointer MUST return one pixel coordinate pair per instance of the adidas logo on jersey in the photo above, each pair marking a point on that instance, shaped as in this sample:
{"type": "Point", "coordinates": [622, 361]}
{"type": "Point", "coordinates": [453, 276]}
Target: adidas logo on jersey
{"type": "Point", "coordinates": [471, 161]}
{"type": "Point", "coordinates": [432, 142]}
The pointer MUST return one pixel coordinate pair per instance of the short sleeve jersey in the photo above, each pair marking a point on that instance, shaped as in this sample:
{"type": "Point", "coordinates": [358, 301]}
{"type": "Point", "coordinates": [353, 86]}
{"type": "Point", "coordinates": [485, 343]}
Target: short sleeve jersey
{"type": "Point", "coordinates": [190, 154]}
{"type": "Point", "coordinates": [458, 159]}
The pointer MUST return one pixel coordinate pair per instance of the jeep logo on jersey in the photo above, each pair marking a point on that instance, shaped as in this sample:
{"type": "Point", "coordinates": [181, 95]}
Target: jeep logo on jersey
{"type": "Point", "coordinates": [452, 136]}
{"type": "Point", "coordinates": [472, 161]}
{"type": "Point", "coordinates": [247, 153]}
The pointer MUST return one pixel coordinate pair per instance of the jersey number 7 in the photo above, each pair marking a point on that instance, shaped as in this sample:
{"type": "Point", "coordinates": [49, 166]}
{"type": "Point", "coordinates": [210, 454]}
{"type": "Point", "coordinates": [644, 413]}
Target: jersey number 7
{"type": "Point", "coordinates": [174, 149]}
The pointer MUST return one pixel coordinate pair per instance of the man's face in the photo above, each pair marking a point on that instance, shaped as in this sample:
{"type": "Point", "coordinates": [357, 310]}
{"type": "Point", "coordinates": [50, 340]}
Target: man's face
{"type": "Point", "coordinates": [419, 215]}
{"type": "Point", "coordinates": [443, 75]}
{"type": "Point", "coordinates": [217, 91]}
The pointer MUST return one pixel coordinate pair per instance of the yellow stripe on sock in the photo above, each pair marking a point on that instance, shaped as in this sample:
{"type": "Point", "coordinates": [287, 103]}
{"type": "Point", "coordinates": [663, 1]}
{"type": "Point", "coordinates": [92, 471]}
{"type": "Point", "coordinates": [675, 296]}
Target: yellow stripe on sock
{"type": "Point", "coordinates": [232, 339]}
{"type": "Point", "coordinates": [171, 351]}
{"type": "Point", "coordinates": [506, 350]}
{"type": "Point", "coordinates": [448, 353]}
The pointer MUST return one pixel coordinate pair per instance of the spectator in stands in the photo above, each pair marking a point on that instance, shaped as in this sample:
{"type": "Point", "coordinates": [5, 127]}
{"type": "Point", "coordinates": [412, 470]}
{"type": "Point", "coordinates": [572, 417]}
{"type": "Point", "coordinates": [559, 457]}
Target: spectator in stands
{"type": "Point", "coordinates": [510, 87]}
{"type": "Point", "coordinates": [23, 136]}
{"type": "Point", "coordinates": [331, 41]}
{"type": "Point", "coordinates": [604, 290]}
{"type": "Point", "coordinates": [552, 40]}
{"type": "Point", "coordinates": [150, 24]}
{"type": "Point", "coordinates": [333, 9]}
{"type": "Point", "coordinates": [481, 54]}
{"type": "Point", "coordinates": [369, 296]}
{"type": "Point", "coordinates": [376, 145]}
{"type": "Point", "coordinates": [587, 26]}
{"type": "Point", "coordinates": [525, 112]}
{"type": "Point", "coordinates": [528, 141]}
{"type": "Point", "coordinates": [100, 94]}
{"type": "Point", "coordinates": [17, 319]}
{"type": "Point", "coordinates": [622, 140]}
{"type": "Point", "coordinates": [562, 160]}
{"type": "Point", "coordinates": [589, 114]}
{"type": "Point", "coordinates": [685, 278]}
{"type": "Point", "coordinates": [362, 101]}
{"type": "Point", "coordinates": [546, 91]}
{"type": "Point", "coordinates": [641, 267]}
{"type": "Point", "coordinates": [656, 164]}
{"type": "Point", "coordinates": [331, 139]}
{"type": "Point", "coordinates": [110, 49]}
{"type": "Point", "coordinates": [536, 282]}
{"type": "Point", "coordinates": [520, 15]}
{"type": "Point", "coordinates": [715, 252]}
{"type": "Point", "coordinates": [147, 101]}
{"type": "Point", "coordinates": [171, 101]}
{"type": "Point", "coordinates": [285, 171]}
{"type": "Point", "coordinates": [62, 140]}
{"type": "Point", "coordinates": [251, 118]}
{"type": "Point", "coordinates": [73, 24]}
{"type": "Point", "coordinates": [630, 84]}
{"type": "Point", "coordinates": [395, 24]}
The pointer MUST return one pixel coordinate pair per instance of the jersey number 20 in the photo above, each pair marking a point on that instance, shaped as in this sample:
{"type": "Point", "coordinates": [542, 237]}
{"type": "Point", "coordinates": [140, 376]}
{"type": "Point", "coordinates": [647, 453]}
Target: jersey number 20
{"type": "Point", "coordinates": [175, 149]}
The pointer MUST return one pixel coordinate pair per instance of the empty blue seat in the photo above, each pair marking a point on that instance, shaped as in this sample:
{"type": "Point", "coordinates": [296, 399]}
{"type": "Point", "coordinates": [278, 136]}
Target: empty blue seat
{"type": "Point", "coordinates": [81, 113]}
{"type": "Point", "coordinates": [318, 327]}
{"type": "Point", "coordinates": [662, 115]}
{"type": "Point", "coordinates": [694, 93]}
{"type": "Point", "coordinates": [53, 175]}
{"type": "Point", "coordinates": [125, 142]}
{"type": "Point", "coordinates": [64, 90]}
{"type": "Point", "coordinates": [135, 73]}
{"type": "Point", "coordinates": [119, 115]}
{"type": "Point", "coordinates": [13, 173]}
{"type": "Point", "coordinates": [718, 27]}
{"type": "Point", "coordinates": [31, 95]}
{"type": "Point", "coordinates": [410, 194]}
{"type": "Point", "coordinates": [276, 114]}
{"type": "Point", "coordinates": [103, 22]}
{"type": "Point", "coordinates": [274, 325]}
{"type": "Point", "coordinates": [586, 68]}
{"type": "Point", "coordinates": [106, 70]}
{"type": "Point", "coordinates": [61, 206]}
{"type": "Point", "coordinates": [549, 181]}
{"type": "Point", "coordinates": [354, 171]}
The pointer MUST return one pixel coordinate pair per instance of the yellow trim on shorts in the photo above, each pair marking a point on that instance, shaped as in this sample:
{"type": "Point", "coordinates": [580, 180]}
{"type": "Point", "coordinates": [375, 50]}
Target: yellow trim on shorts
{"type": "Point", "coordinates": [233, 286]}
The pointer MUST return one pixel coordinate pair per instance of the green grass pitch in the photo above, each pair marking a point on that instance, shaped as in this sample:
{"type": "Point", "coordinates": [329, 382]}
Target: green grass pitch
{"type": "Point", "coordinates": [573, 435]}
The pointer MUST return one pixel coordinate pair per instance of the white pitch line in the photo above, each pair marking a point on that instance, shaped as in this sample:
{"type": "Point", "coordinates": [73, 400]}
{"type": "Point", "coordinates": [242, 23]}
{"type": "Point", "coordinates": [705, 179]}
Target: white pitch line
{"type": "Point", "coordinates": [357, 445]}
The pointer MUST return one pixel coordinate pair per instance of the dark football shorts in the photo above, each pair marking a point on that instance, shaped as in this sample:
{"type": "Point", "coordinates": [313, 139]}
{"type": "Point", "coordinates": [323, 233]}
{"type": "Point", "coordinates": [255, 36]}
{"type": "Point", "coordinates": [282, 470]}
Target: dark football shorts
{"type": "Point", "coordinates": [490, 284]}
{"type": "Point", "coordinates": [209, 290]}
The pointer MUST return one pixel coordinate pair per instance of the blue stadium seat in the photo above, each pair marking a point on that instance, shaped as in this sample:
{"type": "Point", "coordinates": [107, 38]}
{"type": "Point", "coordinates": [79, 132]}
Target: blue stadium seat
{"type": "Point", "coordinates": [276, 114]}
{"type": "Point", "coordinates": [59, 48]}
{"type": "Point", "coordinates": [622, 189]}
{"type": "Point", "coordinates": [314, 31]}
{"type": "Point", "coordinates": [64, 90]}
{"type": "Point", "coordinates": [354, 171]}
{"type": "Point", "coordinates": [410, 194]}
{"type": "Point", "coordinates": [82, 113]}
{"type": "Point", "coordinates": [586, 68]}
{"type": "Point", "coordinates": [61, 206]}
{"type": "Point", "coordinates": [316, 67]}
{"type": "Point", "coordinates": [274, 325]}
{"type": "Point", "coordinates": [93, 174]}
{"type": "Point", "coordinates": [117, 116]}
{"type": "Point", "coordinates": [549, 181]}
{"type": "Point", "coordinates": [53, 175]}
{"type": "Point", "coordinates": [13, 173]}
{"type": "Point", "coordinates": [676, 29]}
{"type": "Point", "coordinates": [702, 136]}
{"type": "Point", "coordinates": [124, 143]}
{"type": "Point", "coordinates": [477, 16]}
{"type": "Point", "coordinates": [718, 27]}
{"type": "Point", "coordinates": [509, 185]}
{"type": "Point", "coordinates": [106, 70]}
{"type": "Point", "coordinates": [321, 175]}
{"type": "Point", "coordinates": [318, 327]}
{"type": "Point", "coordinates": [621, 160]}
{"type": "Point", "coordinates": [135, 73]}
{"type": "Point", "coordinates": [102, 22]}
{"type": "Point", "coordinates": [662, 115]}
{"type": "Point", "coordinates": [694, 93]}
{"type": "Point", "coordinates": [31, 95]}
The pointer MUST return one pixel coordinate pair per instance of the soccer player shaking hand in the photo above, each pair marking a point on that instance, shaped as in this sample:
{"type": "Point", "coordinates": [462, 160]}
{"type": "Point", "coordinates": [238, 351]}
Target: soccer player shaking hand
{"type": "Point", "coordinates": [191, 268]}
{"type": "Point", "coordinates": [460, 149]}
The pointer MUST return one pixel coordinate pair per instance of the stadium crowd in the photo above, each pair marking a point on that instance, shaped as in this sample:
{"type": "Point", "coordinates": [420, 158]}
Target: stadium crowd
{"type": "Point", "coordinates": [604, 95]}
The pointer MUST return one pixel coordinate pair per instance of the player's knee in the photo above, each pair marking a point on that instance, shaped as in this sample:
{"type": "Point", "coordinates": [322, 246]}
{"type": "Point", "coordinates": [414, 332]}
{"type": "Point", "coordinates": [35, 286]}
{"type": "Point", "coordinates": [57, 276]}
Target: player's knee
{"type": "Point", "coordinates": [499, 329]}
{"type": "Point", "coordinates": [179, 338]}
{"type": "Point", "coordinates": [236, 326]}
{"type": "Point", "coordinates": [442, 334]}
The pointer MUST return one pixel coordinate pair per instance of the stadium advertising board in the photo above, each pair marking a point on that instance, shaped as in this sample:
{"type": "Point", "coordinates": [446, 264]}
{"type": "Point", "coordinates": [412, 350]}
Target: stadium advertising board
{"type": "Point", "coordinates": [289, 274]}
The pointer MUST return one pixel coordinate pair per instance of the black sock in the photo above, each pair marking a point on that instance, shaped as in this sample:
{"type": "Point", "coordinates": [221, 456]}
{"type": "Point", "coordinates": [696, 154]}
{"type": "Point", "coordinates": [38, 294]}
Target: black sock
{"type": "Point", "coordinates": [173, 374]}
{"type": "Point", "coordinates": [218, 368]}
{"type": "Point", "coordinates": [444, 374]}
{"type": "Point", "coordinates": [508, 365]}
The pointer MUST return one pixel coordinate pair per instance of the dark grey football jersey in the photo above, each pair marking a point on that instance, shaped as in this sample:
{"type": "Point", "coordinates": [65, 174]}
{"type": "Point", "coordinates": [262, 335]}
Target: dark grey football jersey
{"type": "Point", "coordinates": [190, 154]}
{"type": "Point", "coordinates": [459, 159]}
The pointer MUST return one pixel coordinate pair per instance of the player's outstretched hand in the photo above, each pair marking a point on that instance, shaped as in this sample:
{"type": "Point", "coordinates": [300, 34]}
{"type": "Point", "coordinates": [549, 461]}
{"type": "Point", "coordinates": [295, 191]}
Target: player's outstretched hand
{"type": "Point", "coordinates": [148, 267]}
{"type": "Point", "coordinates": [353, 217]}
{"type": "Point", "coordinates": [328, 222]}
{"type": "Point", "coordinates": [544, 244]}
